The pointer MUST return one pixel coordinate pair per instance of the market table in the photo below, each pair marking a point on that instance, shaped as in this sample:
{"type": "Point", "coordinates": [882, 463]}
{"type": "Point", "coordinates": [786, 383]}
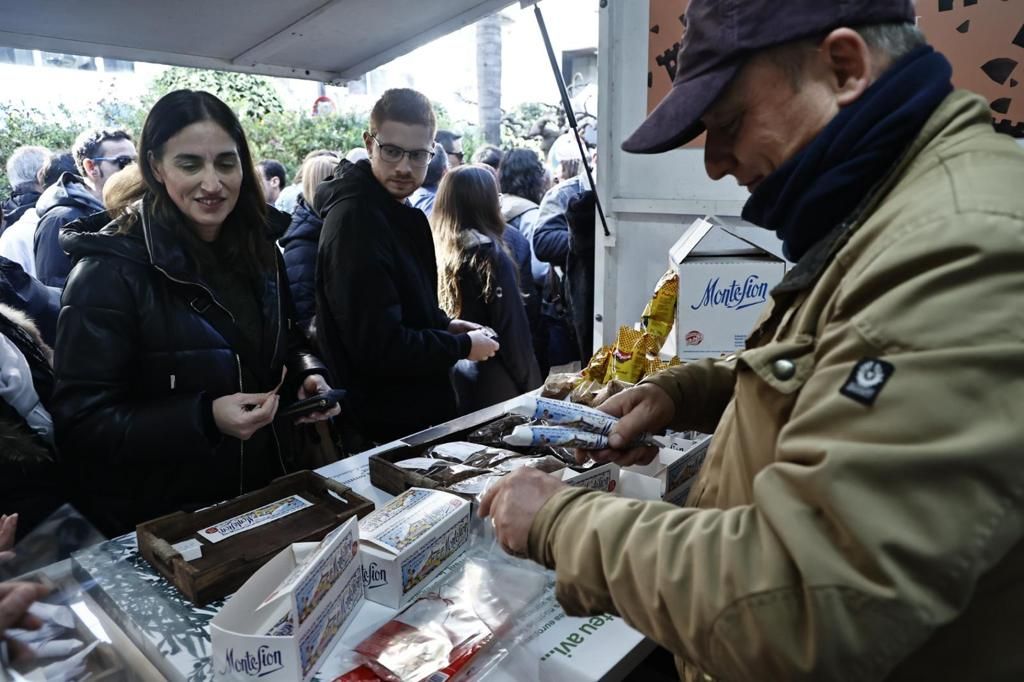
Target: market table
{"type": "Point", "coordinates": [174, 635]}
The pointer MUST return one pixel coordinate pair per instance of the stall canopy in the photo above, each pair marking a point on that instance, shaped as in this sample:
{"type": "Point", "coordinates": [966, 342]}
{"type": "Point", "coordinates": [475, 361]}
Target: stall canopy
{"type": "Point", "coordinates": [330, 41]}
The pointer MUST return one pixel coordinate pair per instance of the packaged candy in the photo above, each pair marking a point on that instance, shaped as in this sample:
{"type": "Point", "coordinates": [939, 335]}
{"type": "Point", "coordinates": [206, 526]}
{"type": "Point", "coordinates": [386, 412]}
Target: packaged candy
{"type": "Point", "coordinates": [629, 360]}
{"type": "Point", "coordinates": [558, 386]}
{"type": "Point", "coordinates": [598, 366]}
{"type": "Point", "coordinates": [561, 413]}
{"type": "Point", "coordinates": [660, 314]}
{"type": "Point", "coordinates": [557, 435]}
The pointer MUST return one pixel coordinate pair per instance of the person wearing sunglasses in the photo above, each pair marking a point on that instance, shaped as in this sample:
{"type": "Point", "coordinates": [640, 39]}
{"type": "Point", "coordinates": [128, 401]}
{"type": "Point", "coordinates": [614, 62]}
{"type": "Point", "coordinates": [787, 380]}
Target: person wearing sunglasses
{"type": "Point", "coordinates": [380, 329]}
{"type": "Point", "coordinates": [99, 154]}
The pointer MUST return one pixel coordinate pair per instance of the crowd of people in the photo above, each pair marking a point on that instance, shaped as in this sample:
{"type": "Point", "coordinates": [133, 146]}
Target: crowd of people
{"type": "Point", "coordinates": [858, 513]}
{"type": "Point", "coordinates": [159, 308]}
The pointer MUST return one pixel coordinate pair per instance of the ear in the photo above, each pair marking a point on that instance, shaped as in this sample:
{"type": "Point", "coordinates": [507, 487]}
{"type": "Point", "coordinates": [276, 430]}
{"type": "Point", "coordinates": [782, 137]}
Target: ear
{"type": "Point", "coordinates": [368, 142]}
{"type": "Point", "coordinates": [275, 182]}
{"type": "Point", "coordinates": [89, 166]}
{"type": "Point", "coordinates": [851, 63]}
{"type": "Point", "coordinates": [154, 166]}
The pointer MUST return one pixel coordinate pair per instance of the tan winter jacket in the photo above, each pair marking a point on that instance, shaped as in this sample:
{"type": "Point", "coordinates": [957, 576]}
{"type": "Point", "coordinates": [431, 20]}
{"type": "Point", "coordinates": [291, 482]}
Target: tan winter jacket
{"type": "Point", "coordinates": [856, 519]}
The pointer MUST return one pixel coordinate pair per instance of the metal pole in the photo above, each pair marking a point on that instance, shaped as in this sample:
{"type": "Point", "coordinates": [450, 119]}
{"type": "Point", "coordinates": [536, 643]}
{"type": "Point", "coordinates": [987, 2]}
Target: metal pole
{"type": "Point", "coordinates": [570, 114]}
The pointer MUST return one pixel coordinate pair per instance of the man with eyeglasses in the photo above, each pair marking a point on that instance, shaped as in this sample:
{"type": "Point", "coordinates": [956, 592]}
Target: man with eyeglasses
{"type": "Point", "coordinates": [379, 326]}
{"type": "Point", "coordinates": [99, 154]}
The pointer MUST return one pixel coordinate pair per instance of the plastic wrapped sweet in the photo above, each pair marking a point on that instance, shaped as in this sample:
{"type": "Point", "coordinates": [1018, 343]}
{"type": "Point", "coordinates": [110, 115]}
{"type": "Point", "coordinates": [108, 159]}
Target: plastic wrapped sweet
{"type": "Point", "coordinates": [660, 314]}
{"type": "Point", "coordinates": [493, 434]}
{"type": "Point", "coordinates": [558, 386]}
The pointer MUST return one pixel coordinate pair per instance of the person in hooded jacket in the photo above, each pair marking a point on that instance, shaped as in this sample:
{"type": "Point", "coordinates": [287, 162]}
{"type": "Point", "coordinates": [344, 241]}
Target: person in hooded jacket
{"type": "Point", "coordinates": [300, 241]}
{"type": "Point", "coordinates": [99, 155]}
{"type": "Point", "coordinates": [176, 328]}
{"type": "Point", "coordinates": [378, 322]}
{"type": "Point", "coordinates": [478, 281]}
{"type": "Point", "coordinates": [522, 182]}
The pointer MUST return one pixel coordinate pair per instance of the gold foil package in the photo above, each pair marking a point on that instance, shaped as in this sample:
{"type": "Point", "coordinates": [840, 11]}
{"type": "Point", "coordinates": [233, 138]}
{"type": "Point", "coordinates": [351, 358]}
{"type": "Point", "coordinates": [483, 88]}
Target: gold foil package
{"type": "Point", "coordinates": [660, 314]}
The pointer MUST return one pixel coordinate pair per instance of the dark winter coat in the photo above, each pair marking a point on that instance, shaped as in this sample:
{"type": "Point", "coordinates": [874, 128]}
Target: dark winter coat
{"type": "Point", "coordinates": [569, 295]}
{"type": "Point", "coordinates": [143, 348]}
{"type": "Point", "coordinates": [378, 322]}
{"type": "Point", "coordinates": [299, 244]}
{"type": "Point", "coordinates": [24, 292]}
{"type": "Point", "coordinates": [65, 201]}
{"type": "Point", "coordinates": [514, 370]}
{"type": "Point", "coordinates": [32, 484]}
{"type": "Point", "coordinates": [21, 200]}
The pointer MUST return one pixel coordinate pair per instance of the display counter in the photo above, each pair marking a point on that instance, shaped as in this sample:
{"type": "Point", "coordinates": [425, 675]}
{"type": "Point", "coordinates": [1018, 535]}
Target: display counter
{"type": "Point", "coordinates": [174, 636]}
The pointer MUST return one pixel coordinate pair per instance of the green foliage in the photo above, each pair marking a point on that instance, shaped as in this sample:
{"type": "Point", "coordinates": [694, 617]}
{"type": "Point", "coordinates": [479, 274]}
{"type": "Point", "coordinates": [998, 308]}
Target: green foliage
{"type": "Point", "coordinates": [288, 136]}
{"type": "Point", "coordinates": [273, 132]}
{"type": "Point", "coordinates": [23, 125]}
{"type": "Point", "coordinates": [252, 97]}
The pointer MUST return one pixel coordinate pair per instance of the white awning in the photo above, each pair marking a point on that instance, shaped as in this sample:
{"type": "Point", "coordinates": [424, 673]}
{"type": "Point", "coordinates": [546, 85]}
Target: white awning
{"type": "Point", "coordinates": [330, 41]}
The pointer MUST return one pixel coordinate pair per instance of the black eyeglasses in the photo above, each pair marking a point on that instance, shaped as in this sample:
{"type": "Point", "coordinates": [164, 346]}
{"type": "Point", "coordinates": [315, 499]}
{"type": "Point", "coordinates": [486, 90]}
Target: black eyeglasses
{"type": "Point", "coordinates": [393, 153]}
{"type": "Point", "coordinates": [121, 162]}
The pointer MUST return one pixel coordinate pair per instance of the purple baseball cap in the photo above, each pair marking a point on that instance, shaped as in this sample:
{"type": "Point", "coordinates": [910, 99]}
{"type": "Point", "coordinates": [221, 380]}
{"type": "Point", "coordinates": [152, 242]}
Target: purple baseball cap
{"type": "Point", "coordinates": [721, 34]}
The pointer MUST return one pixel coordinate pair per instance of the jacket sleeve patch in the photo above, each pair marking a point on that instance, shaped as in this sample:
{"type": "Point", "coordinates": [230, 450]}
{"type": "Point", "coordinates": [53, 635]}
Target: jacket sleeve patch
{"type": "Point", "coordinates": [867, 380]}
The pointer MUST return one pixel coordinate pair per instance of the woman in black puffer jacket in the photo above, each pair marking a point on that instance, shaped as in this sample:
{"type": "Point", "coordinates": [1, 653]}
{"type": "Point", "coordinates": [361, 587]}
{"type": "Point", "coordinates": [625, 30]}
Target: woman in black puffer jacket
{"type": "Point", "coordinates": [300, 243]}
{"type": "Point", "coordinates": [175, 328]}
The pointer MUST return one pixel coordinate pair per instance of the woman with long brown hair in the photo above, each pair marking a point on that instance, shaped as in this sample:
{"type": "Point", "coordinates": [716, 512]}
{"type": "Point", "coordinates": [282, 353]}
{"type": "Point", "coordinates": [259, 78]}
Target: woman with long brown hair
{"type": "Point", "coordinates": [176, 328]}
{"type": "Point", "coordinates": [478, 282]}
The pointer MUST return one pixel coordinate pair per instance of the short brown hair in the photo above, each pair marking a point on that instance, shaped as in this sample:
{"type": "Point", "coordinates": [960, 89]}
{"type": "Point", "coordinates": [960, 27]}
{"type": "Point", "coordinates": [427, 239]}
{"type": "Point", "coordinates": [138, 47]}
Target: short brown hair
{"type": "Point", "coordinates": [403, 105]}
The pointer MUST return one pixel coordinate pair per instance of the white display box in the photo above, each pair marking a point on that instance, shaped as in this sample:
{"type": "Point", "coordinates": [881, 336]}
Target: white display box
{"type": "Point", "coordinates": [405, 542]}
{"type": "Point", "coordinates": [604, 478]}
{"type": "Point", "coordinates": [667, 475]}
{"type": "Point", "coordinates": [307, 594]}
{"type": "Point", "coordinates": [724, 282]}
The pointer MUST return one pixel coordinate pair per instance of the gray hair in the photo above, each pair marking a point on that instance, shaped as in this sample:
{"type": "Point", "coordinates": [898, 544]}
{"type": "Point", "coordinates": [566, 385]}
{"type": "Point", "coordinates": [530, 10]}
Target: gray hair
{"type": "Point", "coordinates": [24, 164]}
{"type": "Point", "coordinates": [889, 40]}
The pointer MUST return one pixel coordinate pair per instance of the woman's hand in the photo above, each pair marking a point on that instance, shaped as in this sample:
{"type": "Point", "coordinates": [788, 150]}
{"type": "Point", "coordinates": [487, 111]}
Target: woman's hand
{"type": "Point", "coordinates": [484, 346]}
{"type": "Point", "coordinates": [243, 414]}
{"type": "Point", "coordinates": [312, 385]}
{"type": "Point", "coordinates": [462, 327]}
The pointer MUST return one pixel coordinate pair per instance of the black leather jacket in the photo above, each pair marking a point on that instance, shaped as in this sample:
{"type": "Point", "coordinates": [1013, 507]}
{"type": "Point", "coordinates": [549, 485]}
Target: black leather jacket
{"type": "Point", "coordinates": [142, 350]}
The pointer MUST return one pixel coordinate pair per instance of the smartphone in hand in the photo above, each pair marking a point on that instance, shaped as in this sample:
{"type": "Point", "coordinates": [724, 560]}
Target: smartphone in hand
{"type": "Point", "coordinates": [321, 402]}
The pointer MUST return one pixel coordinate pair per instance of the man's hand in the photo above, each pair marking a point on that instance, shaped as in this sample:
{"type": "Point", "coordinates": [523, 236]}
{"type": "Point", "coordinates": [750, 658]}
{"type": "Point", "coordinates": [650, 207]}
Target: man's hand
{"type": "Point", "coordinates": [243, 414]}
{"type": "Point", "coordinates": [312, 385]}
{"type": "Point", "coordinates": [8, 530]}
{"type": "Point", "coordinates": [643, 409]}
{"type": "Point", "coordinates": [513, 502]}
{"type": "Point", "coordinates": [484, 347]}
{"type": "Point", "coordinates": [462, 327]}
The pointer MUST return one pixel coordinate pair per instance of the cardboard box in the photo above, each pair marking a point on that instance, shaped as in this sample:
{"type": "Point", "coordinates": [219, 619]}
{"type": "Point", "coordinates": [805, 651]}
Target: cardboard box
{"type": "Point", "coordinates": [724, 281]}
{"type": "Point", "coordinates": [305, 596]}
{"type": "Point", "coordinates": [667, 477]}
{"type": "Point", "coordinates": [604, 478]}
{"type": "Point", "coordinates": [405, 543]}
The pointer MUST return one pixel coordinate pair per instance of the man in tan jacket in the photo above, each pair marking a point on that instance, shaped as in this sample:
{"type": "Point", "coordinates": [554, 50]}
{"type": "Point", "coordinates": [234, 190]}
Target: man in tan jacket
{"type": "Point", "coordinates": [859, 516]}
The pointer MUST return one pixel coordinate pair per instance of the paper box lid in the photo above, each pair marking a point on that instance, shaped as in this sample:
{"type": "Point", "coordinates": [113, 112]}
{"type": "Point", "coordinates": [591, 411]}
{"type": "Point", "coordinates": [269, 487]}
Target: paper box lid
{"type": "Point", "coordinates": [713, 236]}
{"type": "Point", "coordinates": [407, 521]}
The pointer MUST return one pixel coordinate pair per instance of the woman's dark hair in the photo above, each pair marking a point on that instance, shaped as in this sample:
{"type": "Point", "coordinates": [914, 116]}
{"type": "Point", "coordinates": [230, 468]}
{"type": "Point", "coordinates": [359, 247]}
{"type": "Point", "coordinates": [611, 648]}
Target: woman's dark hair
{"type": "Point", "coordinates": [522, 174]}
{"type": "Point", "coordinates": [243, 235]}
{"type": "Point", "coordinates": [467, 199]}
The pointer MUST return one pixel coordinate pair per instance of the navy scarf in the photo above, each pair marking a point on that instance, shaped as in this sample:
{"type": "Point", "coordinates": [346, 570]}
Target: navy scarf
{"type": "Point", "coordinates": [808, 195]}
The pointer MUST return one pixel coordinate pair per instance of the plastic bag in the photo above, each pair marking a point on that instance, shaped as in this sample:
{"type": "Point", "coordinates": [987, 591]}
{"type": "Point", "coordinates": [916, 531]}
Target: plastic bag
{"type": "Point", "coordinates": [462, 622]}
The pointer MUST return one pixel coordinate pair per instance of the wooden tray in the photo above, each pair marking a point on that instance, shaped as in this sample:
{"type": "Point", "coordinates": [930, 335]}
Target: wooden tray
{"type": "Point", "coordinates": [387, 476]}
{"type": "Point", "coordinates": [225, 565]}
